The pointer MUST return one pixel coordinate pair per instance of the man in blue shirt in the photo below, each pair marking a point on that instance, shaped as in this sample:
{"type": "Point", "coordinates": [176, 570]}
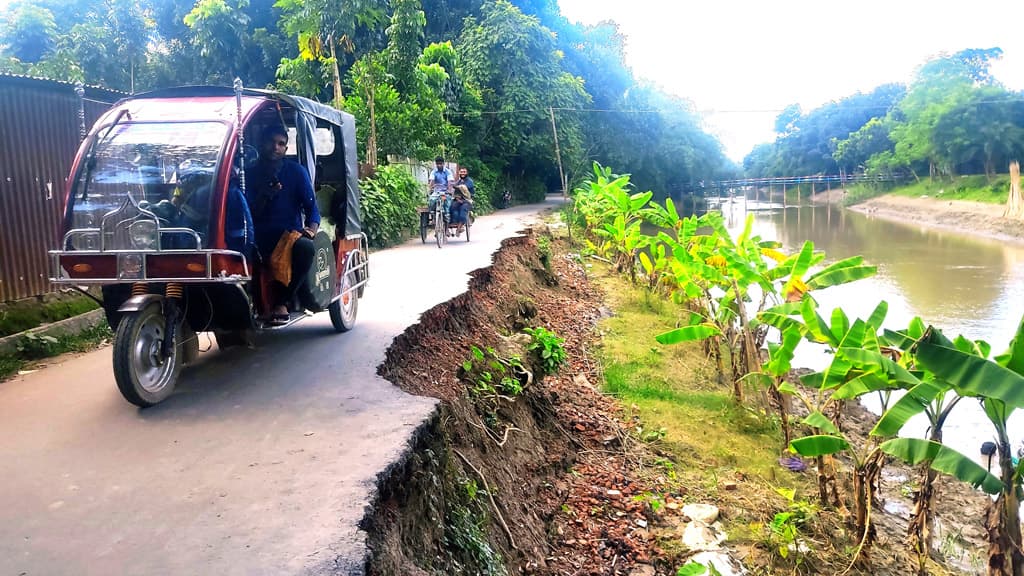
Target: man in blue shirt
{"type": "Point", "coordinates": [282, 200]}
{"type": "Point", "coordinates": [440, 182]}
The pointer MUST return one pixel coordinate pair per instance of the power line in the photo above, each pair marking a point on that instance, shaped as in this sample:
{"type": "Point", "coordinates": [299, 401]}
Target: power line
{"type": "Point", "coordinates": [697, 112]}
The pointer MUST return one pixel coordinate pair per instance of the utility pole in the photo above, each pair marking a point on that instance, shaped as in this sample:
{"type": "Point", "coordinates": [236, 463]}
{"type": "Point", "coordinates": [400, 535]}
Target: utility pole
{"type": "Point", "coordinates": [558, 153]}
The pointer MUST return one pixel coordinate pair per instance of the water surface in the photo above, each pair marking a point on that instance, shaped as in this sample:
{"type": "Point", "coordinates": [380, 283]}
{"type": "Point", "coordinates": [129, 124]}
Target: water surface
{"type": "Point", "coordinates": [959, 283]}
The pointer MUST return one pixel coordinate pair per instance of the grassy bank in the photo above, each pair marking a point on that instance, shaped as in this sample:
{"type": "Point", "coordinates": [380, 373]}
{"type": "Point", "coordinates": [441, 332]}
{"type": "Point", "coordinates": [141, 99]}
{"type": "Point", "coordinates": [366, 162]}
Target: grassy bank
{"type": "Point", "coordinates": [33, 348]}
{"type": "Point", "coordinates": [715, 450]}
{"type": "Point", "coordinates": [974, 188]}
{"type": "Point", "coordinates": [721, 453]}
{"type": "Point", "coordinates": [22, 315]}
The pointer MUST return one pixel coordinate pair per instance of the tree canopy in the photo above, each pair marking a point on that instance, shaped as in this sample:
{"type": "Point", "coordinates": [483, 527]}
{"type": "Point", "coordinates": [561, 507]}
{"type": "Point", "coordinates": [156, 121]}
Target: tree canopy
{"type": "Point", "coordinates": [479, 81]}
{"type": "Point", "coordinates": [953, 118]}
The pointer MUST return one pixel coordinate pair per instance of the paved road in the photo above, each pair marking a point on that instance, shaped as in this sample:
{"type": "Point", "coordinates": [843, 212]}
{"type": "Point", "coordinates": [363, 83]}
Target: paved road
{"type": "Point", "coordinates": [261, 463]}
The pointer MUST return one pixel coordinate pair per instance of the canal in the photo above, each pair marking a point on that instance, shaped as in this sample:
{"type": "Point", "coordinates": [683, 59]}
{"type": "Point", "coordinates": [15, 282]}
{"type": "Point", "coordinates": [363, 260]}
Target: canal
{"type": "Point", "coordinates": [959, 283]}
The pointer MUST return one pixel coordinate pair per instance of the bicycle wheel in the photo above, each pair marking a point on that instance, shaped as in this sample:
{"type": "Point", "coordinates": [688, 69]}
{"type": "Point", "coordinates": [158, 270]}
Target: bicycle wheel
{"type": "Point", "coordinates": [439, 228]}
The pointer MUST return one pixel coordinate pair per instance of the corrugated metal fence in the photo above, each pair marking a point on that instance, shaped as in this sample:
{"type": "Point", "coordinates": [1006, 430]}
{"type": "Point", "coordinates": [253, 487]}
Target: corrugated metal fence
{"type": "Point", "coordinates": [39, 134]}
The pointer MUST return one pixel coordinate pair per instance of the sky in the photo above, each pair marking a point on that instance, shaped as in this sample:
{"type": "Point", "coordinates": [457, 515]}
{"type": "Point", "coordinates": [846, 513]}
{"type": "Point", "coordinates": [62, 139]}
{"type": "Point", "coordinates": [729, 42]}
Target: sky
{"type": "Point", "coordinates": [742, 61]}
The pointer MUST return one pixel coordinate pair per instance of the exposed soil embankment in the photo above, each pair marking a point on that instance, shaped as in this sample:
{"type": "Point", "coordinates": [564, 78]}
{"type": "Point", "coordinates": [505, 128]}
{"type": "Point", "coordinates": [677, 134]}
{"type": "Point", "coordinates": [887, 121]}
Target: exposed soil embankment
{"type": "Point", "coordinates": [974, 218]}
{"type": "Point", "coordinates": [495, 491]}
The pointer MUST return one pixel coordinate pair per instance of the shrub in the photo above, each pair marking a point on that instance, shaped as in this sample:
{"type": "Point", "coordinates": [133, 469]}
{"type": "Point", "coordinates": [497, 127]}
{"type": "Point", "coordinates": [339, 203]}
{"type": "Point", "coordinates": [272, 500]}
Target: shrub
{"type": "Point", "coordinates": [388, 205]}
{"type": "Point", "coordinates": [547, 347]}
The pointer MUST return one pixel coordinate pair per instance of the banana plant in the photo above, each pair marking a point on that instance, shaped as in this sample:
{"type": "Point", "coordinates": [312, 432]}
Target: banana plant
{"type": "Point", "coordinates": [824, 393]}
{"type": "Point", "coordinates": [773, 374]}
{"type": "Point", "coordinates": [999, 386]}
{"type": "Point", "coordinates": [718, 273]}
{"type": "Point", "coordinates": [924, 393]}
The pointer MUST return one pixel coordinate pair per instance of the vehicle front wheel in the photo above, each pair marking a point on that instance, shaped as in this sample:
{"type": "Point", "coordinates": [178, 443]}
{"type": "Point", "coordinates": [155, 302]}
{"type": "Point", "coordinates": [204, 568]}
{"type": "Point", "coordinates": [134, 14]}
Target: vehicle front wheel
{"type": "Point", "coordinates": [143, 375]}
{"type": "Point", "coordinates": [343, 310]}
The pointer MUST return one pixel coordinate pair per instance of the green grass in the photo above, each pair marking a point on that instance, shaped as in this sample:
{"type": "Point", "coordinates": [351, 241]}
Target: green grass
{"type": "Point", "coordinates": [31, 349]}
{"type": "Point", "coordinates": [675, 389]}
{"type": "Point", "coordinates": [27, 314]}
{"type": "Point", "coordinates": [975, 188]}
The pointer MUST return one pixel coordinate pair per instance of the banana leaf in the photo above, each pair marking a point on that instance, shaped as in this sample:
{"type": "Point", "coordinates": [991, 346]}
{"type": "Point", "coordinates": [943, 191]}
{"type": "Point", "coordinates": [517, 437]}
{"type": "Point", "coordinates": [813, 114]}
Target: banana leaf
{"type": "Point", "coordinates": [817, 328]}
{"type": "Point", "coordinates": [864, 384]}
{"type": "Point", "coordinates": [971, 375]}
{"type": "Point", "coordinates": [1013, 358]}
{"type": "Point", "coordinates": [841, 272]}
{"type": "Point", "coordinates": [900, 340]}
{"type": "Point", "coordinates": [818, 445]}
{"type": "Point", "coordinates": [878, 315]}
{"type": "Point", "coordinates": [780, 356]}
{"type": "Point", "coordinates": [688, 334]}
{"type": "Point", "coordinates": [915, 401]}
{"type": "Point", "coordinates": [821, 422]}
{"type": "Point", "coordinates": [870, 361]}
{"type": "Point", "coordinates": [781, 317]}
{"type": "Point", "coordinates": [840, 324]}
{"type": "Point", "coordinates": [976, 347]}
{"type": "Point", "coordinates": [942, 459]}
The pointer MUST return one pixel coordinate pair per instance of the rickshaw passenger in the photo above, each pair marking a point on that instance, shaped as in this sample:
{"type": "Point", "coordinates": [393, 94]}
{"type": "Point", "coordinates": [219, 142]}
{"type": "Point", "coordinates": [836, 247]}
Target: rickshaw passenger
{"type": "Point", "coordinates": [280, 193]}
{"type": "Point", "coordinates": [461, 204]}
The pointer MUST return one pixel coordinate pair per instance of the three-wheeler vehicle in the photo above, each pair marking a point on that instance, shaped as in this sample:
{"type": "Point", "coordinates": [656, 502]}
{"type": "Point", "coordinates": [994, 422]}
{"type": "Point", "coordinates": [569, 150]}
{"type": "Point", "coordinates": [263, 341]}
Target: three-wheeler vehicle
{"type": "Point", "coordinates": [154, 210]}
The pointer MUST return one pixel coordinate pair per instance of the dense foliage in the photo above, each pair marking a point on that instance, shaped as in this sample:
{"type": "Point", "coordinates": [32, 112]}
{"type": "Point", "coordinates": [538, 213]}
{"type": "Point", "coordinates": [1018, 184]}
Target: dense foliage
{"type": "Point", "coordinates": [388, 205]}
{"type": "Point", "coordinates": [480, 81]}
{"type": "Point", "coordinates": [953, 119]}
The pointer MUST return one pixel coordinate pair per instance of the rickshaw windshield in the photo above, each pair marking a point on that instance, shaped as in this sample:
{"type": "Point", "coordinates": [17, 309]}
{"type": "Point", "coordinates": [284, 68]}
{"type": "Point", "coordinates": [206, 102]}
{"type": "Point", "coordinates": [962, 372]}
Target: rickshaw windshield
{"type": "Point", "coordinates": [167, 169]}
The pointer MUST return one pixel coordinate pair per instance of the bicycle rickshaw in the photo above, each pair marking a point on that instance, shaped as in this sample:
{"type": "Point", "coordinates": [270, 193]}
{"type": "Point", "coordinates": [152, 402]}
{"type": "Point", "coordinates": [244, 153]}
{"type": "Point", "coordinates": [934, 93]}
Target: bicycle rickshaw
{"type": "Point", "coordinates": [151, 210]}
{"type": "Point", "coordinates": [430, 216]}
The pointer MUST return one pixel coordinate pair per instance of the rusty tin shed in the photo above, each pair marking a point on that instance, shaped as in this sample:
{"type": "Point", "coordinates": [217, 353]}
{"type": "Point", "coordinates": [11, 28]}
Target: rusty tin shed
{"type": "Point", "coordinates": [41, 125]}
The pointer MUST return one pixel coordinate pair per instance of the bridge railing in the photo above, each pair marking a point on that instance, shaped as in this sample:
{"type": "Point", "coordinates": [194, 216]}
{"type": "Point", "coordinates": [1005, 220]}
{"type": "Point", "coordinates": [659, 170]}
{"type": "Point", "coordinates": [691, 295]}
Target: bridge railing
{"type": "Point", "coordinates": [717, 187]}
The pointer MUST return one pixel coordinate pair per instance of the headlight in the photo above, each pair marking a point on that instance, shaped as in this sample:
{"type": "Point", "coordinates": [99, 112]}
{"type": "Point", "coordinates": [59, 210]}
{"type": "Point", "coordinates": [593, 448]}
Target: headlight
{"type": "Point", "coordinates": [143, 235]}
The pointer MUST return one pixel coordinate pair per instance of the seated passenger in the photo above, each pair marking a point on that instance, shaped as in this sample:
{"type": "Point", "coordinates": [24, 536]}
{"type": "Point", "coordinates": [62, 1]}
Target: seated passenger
{"type": "Point", "coordinates": [284, 213]}
{"type": "Point", "coordinates": [461, 204]}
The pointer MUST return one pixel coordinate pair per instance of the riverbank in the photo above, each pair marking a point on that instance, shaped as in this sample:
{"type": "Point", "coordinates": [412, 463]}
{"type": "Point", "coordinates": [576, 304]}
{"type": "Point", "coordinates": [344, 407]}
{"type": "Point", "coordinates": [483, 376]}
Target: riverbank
{"type": "Point", "coordinates": [596, 469]}
{"type": "Point", "coordinates": [959, 216]}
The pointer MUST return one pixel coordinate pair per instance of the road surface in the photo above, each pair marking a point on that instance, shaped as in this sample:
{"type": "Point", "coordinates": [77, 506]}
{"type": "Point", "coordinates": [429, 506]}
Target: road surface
{"type": "Point", "coordinates": [263, 461]}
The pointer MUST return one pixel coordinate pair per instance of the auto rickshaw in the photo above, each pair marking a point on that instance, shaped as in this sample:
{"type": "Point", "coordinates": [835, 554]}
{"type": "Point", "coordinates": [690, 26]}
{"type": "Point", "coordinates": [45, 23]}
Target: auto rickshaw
{"type": "Point", "coordinates": [152, 216]}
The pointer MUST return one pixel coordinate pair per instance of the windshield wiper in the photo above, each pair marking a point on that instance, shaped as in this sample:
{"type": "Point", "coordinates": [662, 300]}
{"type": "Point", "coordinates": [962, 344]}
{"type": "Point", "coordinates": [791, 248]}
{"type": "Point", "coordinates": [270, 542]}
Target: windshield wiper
{"type": "Point", "coordinates": [90, 160]}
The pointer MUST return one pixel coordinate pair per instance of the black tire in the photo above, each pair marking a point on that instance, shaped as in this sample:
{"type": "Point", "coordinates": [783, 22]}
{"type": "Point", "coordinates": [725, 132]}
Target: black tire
{"type": "Point", "coordinates": [144, 378]}
{"type": "Point", "coordinates": [440, 229]}
{"type": "Point", "coordinates": [423, 227]}
{"type": "Point", "coordinates": [469, 224]}
{"type": "Point", "coordinates": [344, 310]}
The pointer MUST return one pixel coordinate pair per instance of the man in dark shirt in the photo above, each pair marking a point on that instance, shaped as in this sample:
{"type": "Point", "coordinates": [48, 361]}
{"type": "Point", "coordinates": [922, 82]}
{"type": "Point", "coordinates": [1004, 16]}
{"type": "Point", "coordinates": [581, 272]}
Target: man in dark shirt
{"type": "Point", "coordinates": [281, 198]}
{"type": "Point", "coordinates": [465, 180]}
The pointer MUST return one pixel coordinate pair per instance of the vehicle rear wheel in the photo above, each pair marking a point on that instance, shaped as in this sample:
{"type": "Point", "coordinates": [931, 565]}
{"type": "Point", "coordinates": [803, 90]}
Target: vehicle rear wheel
{"type": "Point", "coordinates": [343, 310]}
{"type": "Point", "coordinates": [143, 375]}
{"type": "Point", "coordinates": [423, 228]}
{"type": "Point", "coordinates": [469, 224]}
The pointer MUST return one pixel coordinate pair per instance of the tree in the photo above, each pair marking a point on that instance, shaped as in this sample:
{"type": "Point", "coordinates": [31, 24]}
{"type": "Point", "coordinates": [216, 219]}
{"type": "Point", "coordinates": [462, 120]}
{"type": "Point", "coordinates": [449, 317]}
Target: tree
{"type": "Point", "coordinates": [322, 27]}
{"type": "Point", "coordinates": [29, 34]}
{"type": "Point", "coordinates": [514, 61]}
{"type": "Point", "coordinates": [219, 31]}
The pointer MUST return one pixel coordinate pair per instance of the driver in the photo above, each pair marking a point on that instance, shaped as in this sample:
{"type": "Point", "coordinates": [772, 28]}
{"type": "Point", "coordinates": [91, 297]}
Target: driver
{"type": "Point", "coordinates": [285, 216]}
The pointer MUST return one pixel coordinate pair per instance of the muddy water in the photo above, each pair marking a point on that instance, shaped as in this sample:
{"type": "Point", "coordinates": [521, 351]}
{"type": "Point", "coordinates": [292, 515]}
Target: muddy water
{"type": "Point", "coordinates": [959, 283]}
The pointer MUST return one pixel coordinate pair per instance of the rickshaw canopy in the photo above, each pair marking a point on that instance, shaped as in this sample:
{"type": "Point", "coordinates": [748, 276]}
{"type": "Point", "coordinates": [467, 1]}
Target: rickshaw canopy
{"type": "Point", "coordinates": [219, 103]}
